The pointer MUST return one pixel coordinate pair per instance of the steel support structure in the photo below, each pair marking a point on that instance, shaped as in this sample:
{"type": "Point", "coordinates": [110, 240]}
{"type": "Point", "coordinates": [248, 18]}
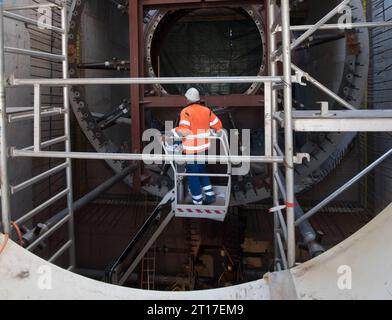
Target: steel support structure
{"type": "Point", "coordinates": [67, 134]}
{"type": "Point", "coordinates": [285, 251]}
{"type": "Point", "coordinates": [279, 223]}
{"type": "Point", "coordinates": [288, 132]}
{"type": "Point", "coordinates": [352, 119]}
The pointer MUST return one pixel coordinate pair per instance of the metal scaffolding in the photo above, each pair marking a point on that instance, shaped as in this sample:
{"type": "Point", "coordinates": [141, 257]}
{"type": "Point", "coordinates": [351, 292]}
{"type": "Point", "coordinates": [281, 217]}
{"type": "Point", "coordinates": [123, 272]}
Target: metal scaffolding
{"type": "Point", "coordinates": [282, 161]}
{"type": "Point", "coordinates": [307, 121]}
{"type": "Point", "coordinates": [6, 189]}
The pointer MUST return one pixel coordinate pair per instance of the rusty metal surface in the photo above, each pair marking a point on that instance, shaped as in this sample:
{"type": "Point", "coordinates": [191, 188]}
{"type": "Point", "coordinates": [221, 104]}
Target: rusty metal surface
{"type": "Point", "coordinates": [230, 101]}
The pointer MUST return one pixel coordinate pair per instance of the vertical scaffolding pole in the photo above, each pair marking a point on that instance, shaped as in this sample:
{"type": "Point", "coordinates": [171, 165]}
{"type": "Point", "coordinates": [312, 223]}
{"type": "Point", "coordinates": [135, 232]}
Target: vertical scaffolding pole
{"type": "Point", "coordinates": [67, 133]}
{"type": "Point", "coordinates": [288, 124]}
{"type": "Point", "coordinates": [273, 71]}
{"type": "Point", "coordinates": [5, 190]}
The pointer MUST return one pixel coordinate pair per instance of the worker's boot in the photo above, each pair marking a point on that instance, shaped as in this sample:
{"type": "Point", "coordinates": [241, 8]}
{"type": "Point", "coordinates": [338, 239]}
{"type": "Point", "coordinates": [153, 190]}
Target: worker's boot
{"type": "Point", "coordinates": [209, 200]}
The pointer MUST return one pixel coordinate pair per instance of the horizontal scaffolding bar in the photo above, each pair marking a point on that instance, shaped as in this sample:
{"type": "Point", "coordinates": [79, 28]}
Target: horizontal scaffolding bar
{"type": "Point", "coordinates": [129, 81]}
{"type": "Point", "coordinates": [14, 110]}
{"type": "Point", "coordinates": [342, 26]}
{"type": "Point", "coordinates": [48, 144]}
{"type": "Point", "coordinates": [41, 207]}
{"type": "Point", "coordinates": [203, 175]}
{"type": "Point", "coordinates": [347, 185]}
{"type": "Point", "coordinates": [45, 113]}
{"type": "Point", "coordinates": [145, 157]}
{"type": "Point", "coordinates": [60, 252]}
{"type": "Point", "coordinates": [33, 6]}
{"type": "Point", "coordinates": [38, 178]}
{"type": "Point", "coordinates": [20, 18]}
{"type": "Point", "coordinates": [34, 53]}
{"type": "Point", "coordinates": [48, 234]}
{"type": "Point", "coordinates": [342, 121]}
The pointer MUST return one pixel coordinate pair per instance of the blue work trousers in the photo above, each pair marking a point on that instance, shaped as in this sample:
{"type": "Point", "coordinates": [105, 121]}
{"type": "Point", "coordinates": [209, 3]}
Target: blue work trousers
{"type": "Point", "coordinates": [199, 184]}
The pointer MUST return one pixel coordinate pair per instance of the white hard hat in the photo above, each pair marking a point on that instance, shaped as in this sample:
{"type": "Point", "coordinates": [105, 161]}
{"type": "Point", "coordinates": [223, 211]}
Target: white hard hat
{"type": "Point", "coordinates": [193, 95]}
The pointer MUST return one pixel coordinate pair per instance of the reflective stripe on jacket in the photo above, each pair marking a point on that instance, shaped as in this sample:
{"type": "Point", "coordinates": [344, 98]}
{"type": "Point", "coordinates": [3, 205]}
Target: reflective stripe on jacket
{"type": "Point", "coordinates": [195, 125]}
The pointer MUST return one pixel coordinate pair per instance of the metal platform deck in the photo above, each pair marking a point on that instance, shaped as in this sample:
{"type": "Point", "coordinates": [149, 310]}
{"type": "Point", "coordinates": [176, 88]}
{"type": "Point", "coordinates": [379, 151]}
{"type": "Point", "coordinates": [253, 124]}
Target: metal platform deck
{"type": "Point", "coordinates": [341, 121]}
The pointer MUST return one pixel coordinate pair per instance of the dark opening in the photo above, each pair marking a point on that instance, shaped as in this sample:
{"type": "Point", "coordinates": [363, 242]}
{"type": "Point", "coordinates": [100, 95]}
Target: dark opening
{"type": "Point", "coordinates": [207, 42]}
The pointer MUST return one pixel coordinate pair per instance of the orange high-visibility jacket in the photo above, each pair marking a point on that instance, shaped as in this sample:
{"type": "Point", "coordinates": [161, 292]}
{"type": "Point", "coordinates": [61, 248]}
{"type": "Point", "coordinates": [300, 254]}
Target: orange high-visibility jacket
{"type": "Point", "coordinates": [195, 125]}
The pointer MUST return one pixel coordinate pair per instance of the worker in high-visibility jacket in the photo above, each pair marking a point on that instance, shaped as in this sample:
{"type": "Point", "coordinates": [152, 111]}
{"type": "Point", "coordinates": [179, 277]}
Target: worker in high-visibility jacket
{"type": "Point", "coordinates": [195, 127]}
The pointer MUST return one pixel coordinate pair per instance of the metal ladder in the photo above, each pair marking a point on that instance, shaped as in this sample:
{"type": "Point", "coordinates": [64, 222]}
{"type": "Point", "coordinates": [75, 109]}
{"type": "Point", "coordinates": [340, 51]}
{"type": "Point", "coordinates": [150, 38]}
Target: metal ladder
{"type": "Point", "coordinates": [148, 270]}
{"type": "Point", "coordinates": [38, 112]}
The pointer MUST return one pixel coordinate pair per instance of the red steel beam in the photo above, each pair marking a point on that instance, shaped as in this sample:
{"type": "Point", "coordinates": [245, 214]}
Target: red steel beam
{"type": "Point", "coordinates": [230, 101]}
{"type": "Point", "coordinates": [197, 3]}
{"type": "Point", "coordinates": [134, 40]}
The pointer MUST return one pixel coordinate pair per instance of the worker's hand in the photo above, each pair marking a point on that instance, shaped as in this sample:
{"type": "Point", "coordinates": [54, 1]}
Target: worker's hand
{"type": "Point", "coordinates": [168, 137]}
{"type": "Point", "coordinates": [177, 134]}
{"type": "Point", "coordinates": [174, 148]}
{"type": "Point", "coordinates": [217, 133]}
{"type": "Point", "coordinates": [173, 134]}
{"type": "Point", "coordinates": [169, 134]}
